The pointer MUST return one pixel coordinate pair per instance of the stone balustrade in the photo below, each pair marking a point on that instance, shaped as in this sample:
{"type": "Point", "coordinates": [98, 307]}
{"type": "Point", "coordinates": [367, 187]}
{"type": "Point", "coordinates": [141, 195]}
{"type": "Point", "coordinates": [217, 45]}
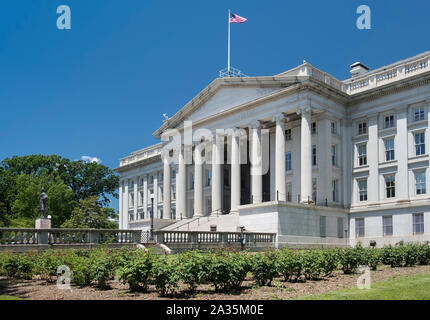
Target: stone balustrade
{"type": "Point", "coordinates": [18, 237]}
{"type": "Point", "coordinates": [172, 237]}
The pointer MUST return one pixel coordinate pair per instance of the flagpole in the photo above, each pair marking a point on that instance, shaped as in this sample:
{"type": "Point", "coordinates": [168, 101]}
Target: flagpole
{"type": "Point", "coordinates": [228, 60]}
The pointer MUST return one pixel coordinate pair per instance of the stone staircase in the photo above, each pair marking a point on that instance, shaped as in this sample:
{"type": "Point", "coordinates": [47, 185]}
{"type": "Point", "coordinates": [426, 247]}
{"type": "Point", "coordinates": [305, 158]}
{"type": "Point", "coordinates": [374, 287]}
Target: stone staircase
{"type": "Point", "coordinates": [226, 222]}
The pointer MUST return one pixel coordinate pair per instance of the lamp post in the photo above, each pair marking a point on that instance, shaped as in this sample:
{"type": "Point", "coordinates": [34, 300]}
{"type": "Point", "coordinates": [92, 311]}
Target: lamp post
{"type": "Point", "coordinates": [151, 235]}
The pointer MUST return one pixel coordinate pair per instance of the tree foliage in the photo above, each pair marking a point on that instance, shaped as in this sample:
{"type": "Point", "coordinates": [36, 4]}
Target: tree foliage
{"type": "Point", "coordinates": [66, 182]}
{"type": "Point", "coordinates": [89, 214]}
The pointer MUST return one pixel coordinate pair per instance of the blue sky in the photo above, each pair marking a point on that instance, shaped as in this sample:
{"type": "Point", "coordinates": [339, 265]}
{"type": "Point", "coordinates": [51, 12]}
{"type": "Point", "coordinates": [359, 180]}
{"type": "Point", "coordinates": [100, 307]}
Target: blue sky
{"type": "Point", "coordinates": [100, 89]}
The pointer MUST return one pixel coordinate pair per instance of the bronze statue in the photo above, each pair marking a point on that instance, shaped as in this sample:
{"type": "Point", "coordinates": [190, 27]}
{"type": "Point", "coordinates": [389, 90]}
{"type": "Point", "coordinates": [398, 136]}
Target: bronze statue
{"type": "Point", "coordinates": [43, 203]}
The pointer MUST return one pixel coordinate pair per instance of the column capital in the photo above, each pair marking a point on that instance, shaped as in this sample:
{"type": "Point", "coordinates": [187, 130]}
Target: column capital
{"type": "Point", "coordinates": [279, 117]}
{"type": "Point", "coordinates": [304, 109]}
{"type": "Point", "coordinates": [255, 124]}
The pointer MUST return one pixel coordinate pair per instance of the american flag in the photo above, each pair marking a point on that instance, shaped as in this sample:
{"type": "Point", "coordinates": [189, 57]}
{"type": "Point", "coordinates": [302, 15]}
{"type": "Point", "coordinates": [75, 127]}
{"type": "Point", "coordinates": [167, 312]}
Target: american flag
{"type": "Point", "coordinates": [234, 18]}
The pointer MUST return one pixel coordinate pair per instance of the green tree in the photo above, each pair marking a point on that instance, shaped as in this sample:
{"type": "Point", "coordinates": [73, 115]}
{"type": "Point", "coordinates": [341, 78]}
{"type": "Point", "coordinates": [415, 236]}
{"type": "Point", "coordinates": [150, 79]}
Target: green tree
{"type": "Point", "coordinates": [61, 200]}
{"type": "Point", "coordinates": [18, 205]}
{"type": "Point", "coordinates": [89, 214]}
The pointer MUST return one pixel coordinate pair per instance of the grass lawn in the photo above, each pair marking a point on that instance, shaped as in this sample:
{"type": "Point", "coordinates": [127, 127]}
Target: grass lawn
{"type": "Point", "coordinates": [9, 298]}
{"type": "Point", "coordinates": [400, 288]}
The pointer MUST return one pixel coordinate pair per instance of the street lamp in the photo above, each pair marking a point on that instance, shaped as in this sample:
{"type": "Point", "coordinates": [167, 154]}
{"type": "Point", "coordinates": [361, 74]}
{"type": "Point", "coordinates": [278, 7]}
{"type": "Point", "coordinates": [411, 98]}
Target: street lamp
{"type": "Point", "coordinates": [151, 235]}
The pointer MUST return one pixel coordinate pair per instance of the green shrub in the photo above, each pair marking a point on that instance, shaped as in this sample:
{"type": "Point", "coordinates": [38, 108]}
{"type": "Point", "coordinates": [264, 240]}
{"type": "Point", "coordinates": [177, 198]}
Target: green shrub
{"type": "Point", "coordinates": [411, 254]}
{"type": "Point", "coordinates": [393, 256]}
{"type": "Point", "coordinates": [330, 260]}
{"type": "Point", "coordinates": [423, 254]}
{"type": "Point", "coordinates": [18, 266]}
{"type": "Point", "coordinates": [3, 258]}
{"type": "Point", "coordinates": [263, 267]}
{"type": "Point", "coordinates": [350, 259]}
{"type": "Point", "coordinates": [372, 257]}
{"type": "Point", "coordinates": [81, 271]}
{"type": "Point", "coordinates": [135, 268]}
{"type": "Point", "coordinates": [102, 267]}
{"type": "Point", "coordinates": [48, 263]}
{"type": "Point", "coordinates": [287, 264]}
{"type": "Point", "coordinates": [194, 268]}
{"type": "Point", "coordinates": [166, 272]}
{"type": "Point", "coordinates": [313, 264]}
{"type": "Point", "coordinates": [227, 270]}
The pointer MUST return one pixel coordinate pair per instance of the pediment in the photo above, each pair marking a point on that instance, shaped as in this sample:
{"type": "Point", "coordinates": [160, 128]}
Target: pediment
{"type": "Point", "coordinates": [227, 98]}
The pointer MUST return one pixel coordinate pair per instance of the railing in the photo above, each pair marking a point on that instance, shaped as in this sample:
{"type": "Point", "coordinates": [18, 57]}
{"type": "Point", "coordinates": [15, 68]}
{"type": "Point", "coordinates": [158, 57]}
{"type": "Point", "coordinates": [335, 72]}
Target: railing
{"type": "Point", "coordinates": [169, 237]}
{"type": "Point", "coordinates": [390, 74]}
{"type": "Point", "coordinates": [15, 236]}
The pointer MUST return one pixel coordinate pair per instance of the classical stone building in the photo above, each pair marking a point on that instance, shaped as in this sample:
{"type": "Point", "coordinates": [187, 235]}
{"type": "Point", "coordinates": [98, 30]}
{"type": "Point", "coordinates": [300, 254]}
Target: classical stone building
{"type": "Point", "coordinates": [313, 159]}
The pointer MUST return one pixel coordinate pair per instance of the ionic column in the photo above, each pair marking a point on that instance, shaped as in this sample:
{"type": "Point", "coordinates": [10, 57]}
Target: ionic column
{"type": "Point", "coordinates": [373, 181]}
{"type": "Point", "coordinates": [145, 196]}
{"type": "Point", "coordinates": [256, 163]}
{"type": "Point", "coordinates": [181, 187]}
{"type": "Point", "coordinates": [325, 167]}
{"type": "Point", "coordinates": [401, 154]}
{"type": "Point", "coordinates": [121, 206]}
{"type": "Point", "coordinates": [235, 170]}
{"type": "Point", "coordinates": [167, 212]}
{"type": "Point", "coordinates": [305, 155]}
{"type": "Point", "coordinates": [280, 183]}
{"type": "Point", "coordinates": [217, 161]}
{"type": "Point", "coordinates": [198, 182]}
{"type": "Point", "coordinates": [155, 186]}
{"type": "Point", "coordinates": [126, 200]}
{"type": "Point", "coordinates": [135, 198]}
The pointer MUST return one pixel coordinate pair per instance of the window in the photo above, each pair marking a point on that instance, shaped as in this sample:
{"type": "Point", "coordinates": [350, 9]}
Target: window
{"type": "Point", "coordinates": [289, 191]}
{"type": "Point", "coordinates": [334, 155]}
{"type": "Point", "coordinates": [387, 225]}
{"type": "Point", "coordinates": [151, 179]}
{"type": "Point", "coordinates": [334, 188]}
{"type": "Point", "coordinates": [390, 186]}
{"type": "Point", "coordinates": [288, 161]}
{"type": "Point", "coordinates": [192, 182]}
{"type": "Point", "coordinates": [362, 154]}
{"type": "Point", "coordinates": [131, 200]}
{"type": "Point", "coordinates": [418, 223]}
{"type": "Point", "coordinates": [160, 194]}
{"type": "Point", "coordinates": [209, 205]}
{"type": "Point", "coordinates": [419, 114]}
{"type": "Point", "coordinates": [333, 127]}
{"type": "Point", "coordinates": [322, 226]}
{"type": "Point", "coordinates": [173, 192]}
{"type": "Point", "coordinates": [226, 177]}
{"type": "Point", "coordinates": [314, 127]}
{"type": "Point", "coordinates": [389, 149]}
{"type": "Point", "coordinates": [288, 134]}
{"type": "Point", "coordinates": [420, 182]}
{"type": "Point", "coordinates": [340, 227]}
{"type": "Point", "coordinates": [359, 227]}
{"type": "Point", "coordinates": [314, 190]}
{"type": "Point", "coordinates": [208, 177]}
{"type": "Point", "coordinates": [420, 146]}
{"type": "Point", "coordinates": [140, 198]}
{"type": "Point", "coordinates": [314, 155]}
{"type": "Point", "coordinates": [389, 121]}
{"type": "Point", "coordinates": [362, 128]}
{"type": "Point", "coordinates": [362, 189]}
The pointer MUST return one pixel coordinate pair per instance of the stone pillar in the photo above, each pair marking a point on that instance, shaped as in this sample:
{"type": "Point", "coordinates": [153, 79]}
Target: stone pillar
{"type": "Point", "coordinates": [373, 160]}
{"type": "Point", "coordinates": [305, 155]}
{"type": "Point", "coordinates": [401, 154]}
{"type": "Point", "coordinates": [217, 161]}
{"type": "Point", "coordinates": [235, 170]}
{"type": "Point", "coordinates": [167, 211]}
{"type": "Point", "coordinates": [135, 198]}
{"type": "Point", "coordinates": [325, 168]}
{"type": "Point", "coordinates": [121, 205]}
{"type": "Point", "coordinates": [256, 163]}
{"type": "Point", "coordinates": [347, 156]}
{"type": "Point", "coordinates": [280, 188]}
{"type": "Point", "coordinates": [181, 188]}
{"type": "Point", "coordinates": [125, 213]}
{"type": "Point", "coordinates": [155, 186]}
{"type": "Point", "coordinates": [198, 182]}
{"type": "Point", "coordinates": [145, 197]}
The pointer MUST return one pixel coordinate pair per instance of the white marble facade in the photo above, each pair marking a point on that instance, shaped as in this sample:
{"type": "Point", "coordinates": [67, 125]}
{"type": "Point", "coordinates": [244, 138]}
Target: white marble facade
{"type": "Point", "coordinates": [346, 160]}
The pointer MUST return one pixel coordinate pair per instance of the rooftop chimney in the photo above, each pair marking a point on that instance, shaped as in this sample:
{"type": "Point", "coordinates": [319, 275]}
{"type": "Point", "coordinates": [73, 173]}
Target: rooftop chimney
{"type": "Point", "coordinates": [357, 69]}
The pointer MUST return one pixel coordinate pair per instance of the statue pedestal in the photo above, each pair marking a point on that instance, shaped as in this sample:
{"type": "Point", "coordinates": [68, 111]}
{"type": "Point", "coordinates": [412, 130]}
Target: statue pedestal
{"type": "Point", "coordinates": [43, 236]}
{"type": "Point", "coordinates": [43, 223]}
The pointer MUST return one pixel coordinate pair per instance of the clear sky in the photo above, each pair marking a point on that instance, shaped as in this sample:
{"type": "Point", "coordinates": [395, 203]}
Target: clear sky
{"type": "Point", "coordinates": [100, 89]}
